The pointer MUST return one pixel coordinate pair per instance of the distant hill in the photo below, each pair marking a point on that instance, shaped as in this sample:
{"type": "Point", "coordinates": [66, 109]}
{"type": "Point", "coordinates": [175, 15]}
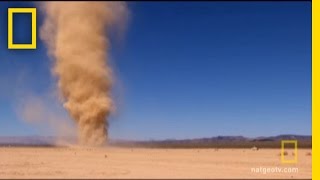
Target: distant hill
{"type": "Point", "coordinates": [304, 141]}
{"type": "Point", "coordinates": [284, 137]}
{"type": "Point", "coordinates": [29, 140]}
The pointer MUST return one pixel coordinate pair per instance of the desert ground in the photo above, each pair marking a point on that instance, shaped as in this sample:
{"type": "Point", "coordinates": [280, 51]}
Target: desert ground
{"type": "Point", "coordinates": [111, 162]}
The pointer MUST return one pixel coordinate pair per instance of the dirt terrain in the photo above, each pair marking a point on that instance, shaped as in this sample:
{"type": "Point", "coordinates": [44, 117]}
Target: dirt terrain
{"type": "Point", "coordinates": [76, 162]}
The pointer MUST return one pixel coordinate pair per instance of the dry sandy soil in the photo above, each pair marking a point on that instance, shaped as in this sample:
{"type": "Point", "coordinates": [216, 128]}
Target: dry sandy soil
{"type": "Point", "coordinates": [75, 162]}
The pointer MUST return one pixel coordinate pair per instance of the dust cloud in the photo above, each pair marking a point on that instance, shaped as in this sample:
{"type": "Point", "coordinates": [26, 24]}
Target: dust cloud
{"type": "Point", "coordinates": [76, 34]}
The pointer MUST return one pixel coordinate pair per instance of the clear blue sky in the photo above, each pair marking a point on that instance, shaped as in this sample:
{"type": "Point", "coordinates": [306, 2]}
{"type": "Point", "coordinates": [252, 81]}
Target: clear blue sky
{"type": "Point", "coordinates": [187, 69]}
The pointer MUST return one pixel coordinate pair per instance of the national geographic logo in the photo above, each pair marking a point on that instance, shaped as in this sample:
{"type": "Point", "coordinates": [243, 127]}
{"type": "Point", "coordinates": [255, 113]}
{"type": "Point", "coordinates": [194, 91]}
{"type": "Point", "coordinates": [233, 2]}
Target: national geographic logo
{"type": "Point", "coordinates": [33, 44]}
{"type": "Point", "coordinates": [291, 145]}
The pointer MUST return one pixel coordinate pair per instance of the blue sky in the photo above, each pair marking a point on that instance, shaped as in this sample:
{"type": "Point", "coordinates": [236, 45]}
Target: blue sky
{"type": "Point", "coordinates": [186, 70]}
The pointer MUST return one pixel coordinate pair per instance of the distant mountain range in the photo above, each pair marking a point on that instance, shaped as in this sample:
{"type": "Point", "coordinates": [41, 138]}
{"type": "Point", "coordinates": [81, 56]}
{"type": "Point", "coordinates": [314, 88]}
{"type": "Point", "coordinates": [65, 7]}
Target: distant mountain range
{"type": "Point", "coordinates": [30, 140]}
{"type": "Point", "coordinates": [304, 141]}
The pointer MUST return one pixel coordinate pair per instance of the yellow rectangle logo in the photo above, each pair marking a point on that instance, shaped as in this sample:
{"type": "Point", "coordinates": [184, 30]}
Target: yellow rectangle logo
{"type": "Point", "coordinates": [33, 12]}
{"type": "Point", "coordinates": [284, 153]}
